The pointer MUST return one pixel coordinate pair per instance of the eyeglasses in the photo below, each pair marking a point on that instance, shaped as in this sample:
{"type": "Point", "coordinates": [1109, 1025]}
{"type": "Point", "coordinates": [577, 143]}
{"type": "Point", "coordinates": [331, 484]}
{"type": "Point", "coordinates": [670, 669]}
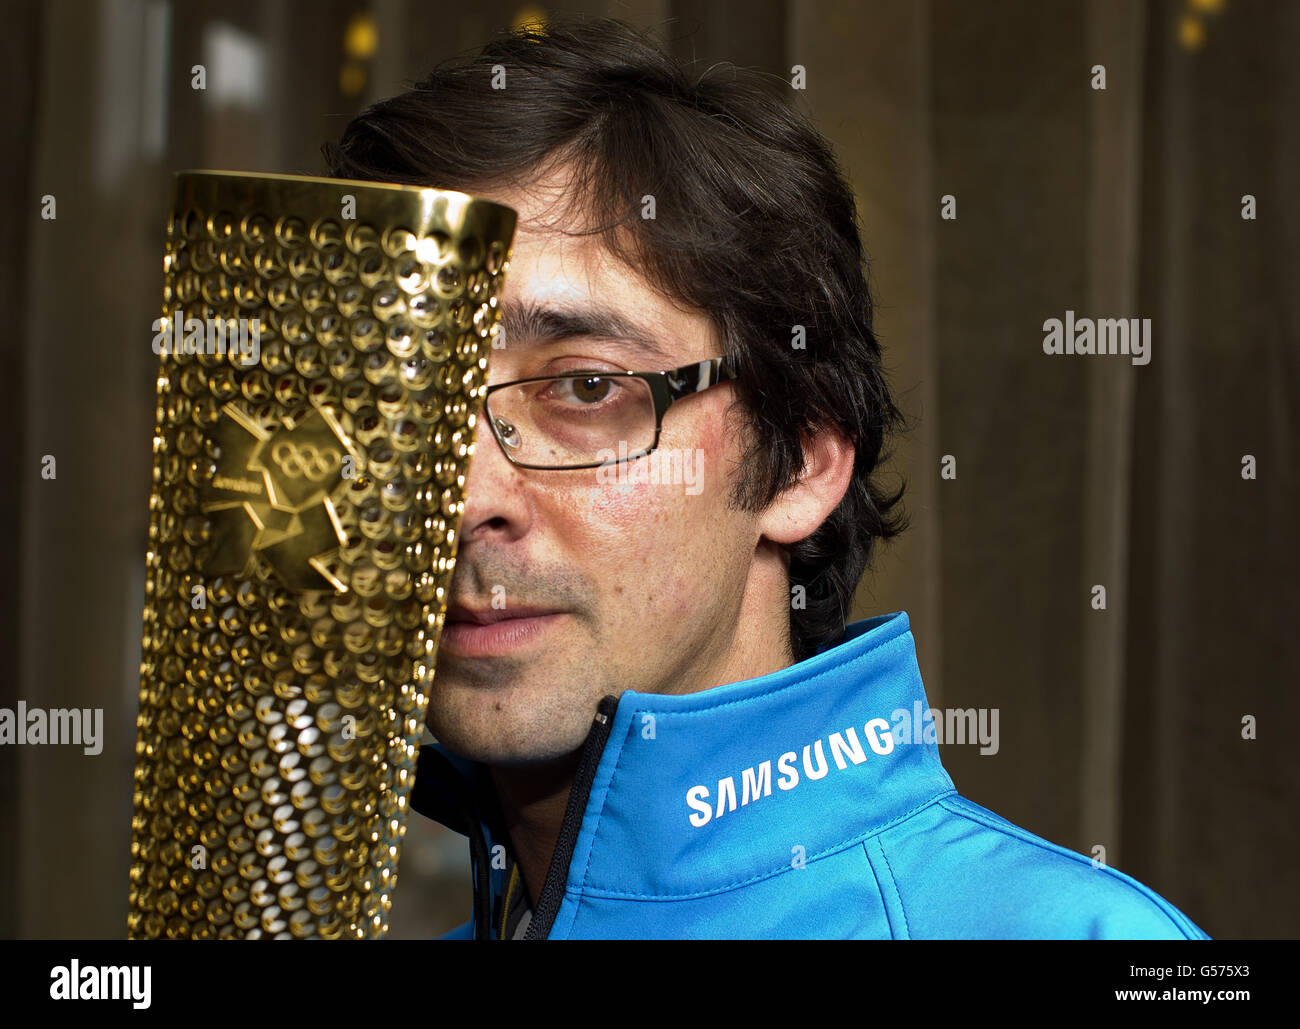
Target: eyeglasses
{"type": "Point", "coordinates": [590, 419]}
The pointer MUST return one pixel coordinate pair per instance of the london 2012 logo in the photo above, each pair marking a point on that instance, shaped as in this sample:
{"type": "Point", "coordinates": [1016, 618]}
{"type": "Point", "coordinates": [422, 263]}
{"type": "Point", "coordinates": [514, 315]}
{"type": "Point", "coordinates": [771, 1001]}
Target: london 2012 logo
{"type": "Point", "coordinates": [270, 497]}
{"type": "Point", "coordinates": [305, 461]}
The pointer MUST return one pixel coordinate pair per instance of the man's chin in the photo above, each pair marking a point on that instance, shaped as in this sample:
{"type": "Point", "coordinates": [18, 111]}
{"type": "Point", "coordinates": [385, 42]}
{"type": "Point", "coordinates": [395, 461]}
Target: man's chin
{"type": "Point", "coordinates": [496, 729]}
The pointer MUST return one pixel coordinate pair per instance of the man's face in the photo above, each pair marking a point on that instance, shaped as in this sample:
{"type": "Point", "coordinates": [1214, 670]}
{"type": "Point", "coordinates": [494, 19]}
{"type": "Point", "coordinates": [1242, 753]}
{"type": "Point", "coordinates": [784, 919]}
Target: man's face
{"type": "Point", "coordinates": [639, 583]}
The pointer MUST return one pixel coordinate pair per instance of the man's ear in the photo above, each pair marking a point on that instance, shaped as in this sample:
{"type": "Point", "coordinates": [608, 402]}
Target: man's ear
{"type": "Point", "coordinates": [828, 466]}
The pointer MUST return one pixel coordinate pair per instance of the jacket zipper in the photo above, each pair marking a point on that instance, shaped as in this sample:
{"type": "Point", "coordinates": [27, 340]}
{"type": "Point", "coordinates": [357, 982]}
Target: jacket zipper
{"type": "Point", "coordinates": [548, 903]}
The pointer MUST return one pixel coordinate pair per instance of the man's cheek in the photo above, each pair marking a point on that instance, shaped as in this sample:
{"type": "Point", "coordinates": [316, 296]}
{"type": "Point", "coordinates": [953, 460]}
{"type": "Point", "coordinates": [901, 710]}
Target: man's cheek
{"type": "Point", "coordinates": [632, 513]}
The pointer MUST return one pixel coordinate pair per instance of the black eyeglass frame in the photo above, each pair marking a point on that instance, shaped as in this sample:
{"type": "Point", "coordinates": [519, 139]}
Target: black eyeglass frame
{"type": "Point", "coordinates": [666, 388]}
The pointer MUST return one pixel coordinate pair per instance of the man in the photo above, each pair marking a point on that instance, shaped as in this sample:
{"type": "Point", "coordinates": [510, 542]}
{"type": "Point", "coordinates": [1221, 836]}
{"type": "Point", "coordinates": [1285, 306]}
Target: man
{"type": "Point", "coordinates": [652, 721]}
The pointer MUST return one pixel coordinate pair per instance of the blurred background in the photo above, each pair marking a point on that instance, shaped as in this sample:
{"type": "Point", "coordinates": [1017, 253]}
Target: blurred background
{"type": "Point", "coordinates": [1120, 728]}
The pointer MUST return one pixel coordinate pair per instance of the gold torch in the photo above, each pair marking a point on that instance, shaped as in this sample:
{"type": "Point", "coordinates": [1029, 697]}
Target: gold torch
{"type": "Point", "coordinates": [323, 354]}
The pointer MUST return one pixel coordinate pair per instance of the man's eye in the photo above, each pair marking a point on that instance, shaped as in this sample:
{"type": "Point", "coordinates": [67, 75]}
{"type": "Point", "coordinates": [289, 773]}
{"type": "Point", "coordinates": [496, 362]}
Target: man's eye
{"type": "Point", "coordinates": [588, 389]}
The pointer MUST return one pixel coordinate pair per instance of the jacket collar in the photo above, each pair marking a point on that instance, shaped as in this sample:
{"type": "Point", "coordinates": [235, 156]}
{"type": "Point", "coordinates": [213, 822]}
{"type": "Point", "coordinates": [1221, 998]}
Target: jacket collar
{"type": "Point", "coordinates": [702, 792]}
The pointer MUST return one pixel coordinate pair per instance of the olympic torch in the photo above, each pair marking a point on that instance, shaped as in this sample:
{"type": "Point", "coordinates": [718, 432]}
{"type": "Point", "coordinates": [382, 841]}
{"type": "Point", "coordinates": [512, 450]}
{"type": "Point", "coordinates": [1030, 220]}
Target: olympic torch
{"type": "Point", "coordinates": [323, 354]}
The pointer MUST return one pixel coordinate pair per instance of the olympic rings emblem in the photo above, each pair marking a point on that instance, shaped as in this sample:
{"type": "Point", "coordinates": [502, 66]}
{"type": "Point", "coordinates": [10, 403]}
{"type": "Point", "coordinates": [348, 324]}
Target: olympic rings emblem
{"type": "Point", "coordinates": [305, 461]}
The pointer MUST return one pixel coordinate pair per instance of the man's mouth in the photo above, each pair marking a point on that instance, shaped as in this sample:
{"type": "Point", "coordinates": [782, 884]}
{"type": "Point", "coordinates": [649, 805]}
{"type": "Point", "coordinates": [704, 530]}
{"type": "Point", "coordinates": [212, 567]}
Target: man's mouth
{"type": "Point", "coordinates": [470, 631]}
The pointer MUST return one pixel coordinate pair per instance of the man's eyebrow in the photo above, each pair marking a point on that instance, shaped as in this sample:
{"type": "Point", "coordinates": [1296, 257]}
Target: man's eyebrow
{"type": "Point", "coordinates": [532, 322]}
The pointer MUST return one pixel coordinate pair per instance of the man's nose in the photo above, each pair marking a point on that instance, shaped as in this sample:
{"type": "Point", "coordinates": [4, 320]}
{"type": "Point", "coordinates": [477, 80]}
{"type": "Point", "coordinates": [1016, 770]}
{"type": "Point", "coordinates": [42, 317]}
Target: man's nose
{"type": "Point", "coordinates": [496, 491]}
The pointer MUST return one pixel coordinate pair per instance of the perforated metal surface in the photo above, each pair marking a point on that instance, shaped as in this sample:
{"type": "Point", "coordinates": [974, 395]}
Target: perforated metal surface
{"type": "Point", "coordinates": [303, 526]}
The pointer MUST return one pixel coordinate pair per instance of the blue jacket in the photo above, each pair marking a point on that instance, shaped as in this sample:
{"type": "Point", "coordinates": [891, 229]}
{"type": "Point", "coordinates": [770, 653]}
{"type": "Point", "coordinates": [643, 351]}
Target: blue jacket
{"type": "Point", "coordinates": [797, 804]}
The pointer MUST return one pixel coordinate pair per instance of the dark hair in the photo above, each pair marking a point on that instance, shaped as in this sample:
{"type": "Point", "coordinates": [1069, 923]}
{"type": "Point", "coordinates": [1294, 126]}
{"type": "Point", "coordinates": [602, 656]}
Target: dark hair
{"type": "Point", "coordinates": [754, 224]}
